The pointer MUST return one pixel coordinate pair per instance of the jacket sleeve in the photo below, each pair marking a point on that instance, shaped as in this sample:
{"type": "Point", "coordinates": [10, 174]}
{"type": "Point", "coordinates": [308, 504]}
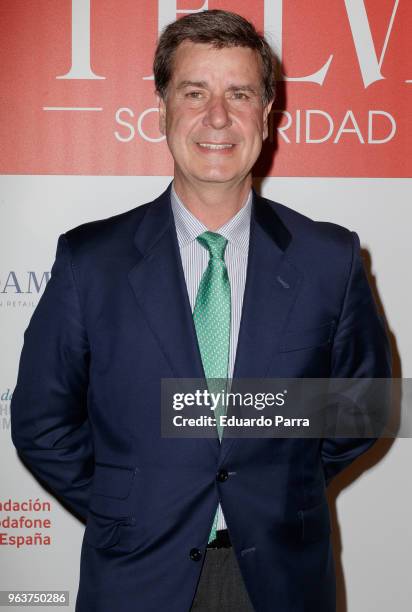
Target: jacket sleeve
{"type": "Point", "coordinates": [49, 422]}
{"type": "Point", "coordinates": [360, 350]}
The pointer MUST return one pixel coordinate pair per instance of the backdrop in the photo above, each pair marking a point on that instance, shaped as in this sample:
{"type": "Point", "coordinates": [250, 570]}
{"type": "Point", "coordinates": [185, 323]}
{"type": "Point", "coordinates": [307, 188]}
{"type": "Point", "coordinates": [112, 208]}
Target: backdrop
{"type": "Point", "coordinates": [79, 141]}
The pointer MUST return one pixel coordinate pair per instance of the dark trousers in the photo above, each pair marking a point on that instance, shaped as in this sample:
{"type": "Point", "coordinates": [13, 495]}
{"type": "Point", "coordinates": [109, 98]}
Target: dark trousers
{"type": "Point", "coordinates": [221, 587]}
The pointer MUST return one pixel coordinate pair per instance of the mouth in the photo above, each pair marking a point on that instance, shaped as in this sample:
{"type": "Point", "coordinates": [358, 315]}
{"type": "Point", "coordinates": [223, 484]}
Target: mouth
{"type": "Point", "coordinates": [216, 147]}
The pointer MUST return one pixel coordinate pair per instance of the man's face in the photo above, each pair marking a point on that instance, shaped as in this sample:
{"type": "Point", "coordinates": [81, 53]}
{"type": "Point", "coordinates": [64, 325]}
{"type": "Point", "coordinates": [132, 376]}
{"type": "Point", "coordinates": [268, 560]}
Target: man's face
{"type": "Point", "coordinates": [214, 98]}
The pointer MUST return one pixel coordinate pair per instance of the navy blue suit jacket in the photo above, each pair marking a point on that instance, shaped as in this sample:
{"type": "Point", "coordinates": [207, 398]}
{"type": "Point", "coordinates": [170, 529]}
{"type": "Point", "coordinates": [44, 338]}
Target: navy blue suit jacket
{"type": "Point", "coordinates": [113, 320]}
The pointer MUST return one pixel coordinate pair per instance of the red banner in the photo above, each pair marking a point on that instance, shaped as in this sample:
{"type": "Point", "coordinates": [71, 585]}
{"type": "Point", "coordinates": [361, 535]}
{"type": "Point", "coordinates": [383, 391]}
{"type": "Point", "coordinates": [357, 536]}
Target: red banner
{"type": "Point", "coordinates": [78, 92]}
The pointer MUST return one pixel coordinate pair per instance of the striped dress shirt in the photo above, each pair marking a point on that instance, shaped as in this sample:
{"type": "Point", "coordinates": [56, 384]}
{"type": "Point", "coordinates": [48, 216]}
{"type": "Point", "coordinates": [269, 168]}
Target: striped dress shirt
{"type": "Point", "coordinates": [195, 259]}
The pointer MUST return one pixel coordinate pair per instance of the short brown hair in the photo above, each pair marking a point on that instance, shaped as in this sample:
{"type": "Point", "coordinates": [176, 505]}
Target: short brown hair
{"type": "Point", "coordinates": [220, 29]}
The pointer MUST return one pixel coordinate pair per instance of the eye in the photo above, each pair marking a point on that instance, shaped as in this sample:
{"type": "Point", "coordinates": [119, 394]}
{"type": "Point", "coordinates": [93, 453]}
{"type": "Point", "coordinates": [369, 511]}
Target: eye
{"type": "Point", "coordinates": [240, 95]}
{"type": "Point", "coordinates": [195, 95]}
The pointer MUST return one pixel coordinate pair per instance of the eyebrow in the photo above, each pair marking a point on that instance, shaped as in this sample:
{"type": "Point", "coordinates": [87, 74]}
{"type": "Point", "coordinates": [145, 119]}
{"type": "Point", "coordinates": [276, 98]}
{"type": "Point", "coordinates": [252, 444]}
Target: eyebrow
{"type": "Point", "coordinates": [203, 85]}
{"type": "Point", "coordinates": [186, 83]}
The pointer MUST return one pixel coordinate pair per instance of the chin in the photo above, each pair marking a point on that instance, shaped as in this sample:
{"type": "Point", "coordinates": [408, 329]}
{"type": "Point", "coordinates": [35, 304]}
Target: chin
{"type": "Point", "coordinates": [215, 178]}
{"type": "Point", "coordinates": [217, 175]}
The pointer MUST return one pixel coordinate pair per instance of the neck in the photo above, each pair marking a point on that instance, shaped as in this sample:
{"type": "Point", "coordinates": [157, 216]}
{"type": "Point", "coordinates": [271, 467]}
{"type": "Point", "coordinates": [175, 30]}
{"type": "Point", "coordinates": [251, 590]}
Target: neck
{"type": "Point", "coordinates": [214, 204]}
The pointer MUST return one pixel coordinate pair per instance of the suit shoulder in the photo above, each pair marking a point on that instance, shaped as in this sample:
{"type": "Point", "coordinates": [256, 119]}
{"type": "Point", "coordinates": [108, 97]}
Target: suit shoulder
{"type": "Point", "coordinates": [304, 228]}
{"type": "Point", "coordinates": [111, 234]}
{"type": "Point", "coordinates": [105, 229]}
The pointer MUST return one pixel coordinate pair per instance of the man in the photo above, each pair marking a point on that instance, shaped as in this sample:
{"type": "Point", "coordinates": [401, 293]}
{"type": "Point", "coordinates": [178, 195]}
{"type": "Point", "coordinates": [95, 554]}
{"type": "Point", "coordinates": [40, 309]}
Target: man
{"type": "Point", "coordinates": [208, 280]}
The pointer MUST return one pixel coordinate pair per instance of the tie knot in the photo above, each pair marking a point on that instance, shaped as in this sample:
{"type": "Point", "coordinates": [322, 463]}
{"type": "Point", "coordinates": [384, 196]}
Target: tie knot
{"type": "Point", "coordinates": [215, 243]}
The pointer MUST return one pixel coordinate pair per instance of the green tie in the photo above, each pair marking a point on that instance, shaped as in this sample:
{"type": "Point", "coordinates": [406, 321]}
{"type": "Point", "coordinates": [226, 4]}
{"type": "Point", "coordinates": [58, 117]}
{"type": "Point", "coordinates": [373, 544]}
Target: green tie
{"type": "Point", "coordinates": [211, 314]}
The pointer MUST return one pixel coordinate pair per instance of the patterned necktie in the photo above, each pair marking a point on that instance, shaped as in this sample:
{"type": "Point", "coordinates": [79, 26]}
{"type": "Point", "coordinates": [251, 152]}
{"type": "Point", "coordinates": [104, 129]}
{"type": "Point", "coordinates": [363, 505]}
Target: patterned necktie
{"type": "Point", "coordinates": [211, 314]}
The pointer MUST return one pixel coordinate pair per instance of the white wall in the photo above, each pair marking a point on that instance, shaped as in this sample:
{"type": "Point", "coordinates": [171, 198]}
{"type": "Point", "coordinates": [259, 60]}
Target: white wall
{"type": "Point", "coordinates": [373, 536]}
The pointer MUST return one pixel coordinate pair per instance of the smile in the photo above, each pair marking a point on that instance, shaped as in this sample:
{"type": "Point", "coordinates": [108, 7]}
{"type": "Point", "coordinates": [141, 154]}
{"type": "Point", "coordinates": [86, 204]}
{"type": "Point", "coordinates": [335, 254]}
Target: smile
{"type": "Point", "coordinates": [214, 147]}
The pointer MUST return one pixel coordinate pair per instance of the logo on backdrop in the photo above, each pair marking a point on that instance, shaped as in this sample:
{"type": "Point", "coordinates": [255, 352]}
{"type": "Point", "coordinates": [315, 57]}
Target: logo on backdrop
{"type": "Point", "coordinates": [5, 399]}
{"type": "Point", "coordinates": [81, 90]}
{"type": "Point", "coordinates": [22, 289]}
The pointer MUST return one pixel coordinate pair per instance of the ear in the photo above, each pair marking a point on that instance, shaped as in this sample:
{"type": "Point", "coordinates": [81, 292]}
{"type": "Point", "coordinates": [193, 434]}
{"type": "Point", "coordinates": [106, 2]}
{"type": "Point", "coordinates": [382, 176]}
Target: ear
{"type": "Point", "coordinates": [266, 112]}
{"type": "Point", "coordinates": [162, 114]}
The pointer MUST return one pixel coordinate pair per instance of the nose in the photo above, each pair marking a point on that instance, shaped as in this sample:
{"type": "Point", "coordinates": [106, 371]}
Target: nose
{"type": "Point", "coordinates": [216, 114]}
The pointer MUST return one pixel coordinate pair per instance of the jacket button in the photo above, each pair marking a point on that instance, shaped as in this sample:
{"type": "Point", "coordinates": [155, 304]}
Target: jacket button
{"type": "Point", "coordinates": [222, 475]}
{"type": "Point", "coordinates": [195, 554]}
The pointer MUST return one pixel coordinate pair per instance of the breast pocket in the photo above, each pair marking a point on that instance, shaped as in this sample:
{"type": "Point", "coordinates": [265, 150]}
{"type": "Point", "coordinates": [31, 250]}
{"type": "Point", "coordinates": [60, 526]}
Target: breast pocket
{"type": "Point", "coordinates": [112, 504]}
{"type": "Point", "coordinates": [311, 338]}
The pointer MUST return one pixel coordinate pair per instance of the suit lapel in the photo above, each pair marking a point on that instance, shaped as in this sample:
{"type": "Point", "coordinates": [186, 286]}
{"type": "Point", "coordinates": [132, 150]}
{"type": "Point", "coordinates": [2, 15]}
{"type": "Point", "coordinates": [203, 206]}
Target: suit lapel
{"type": "Point", "coordinates": [160, 289]}
{"type": "Point", "coordinates": [159, 285]}
{"type": "Point", "coordinates": [272, 283]}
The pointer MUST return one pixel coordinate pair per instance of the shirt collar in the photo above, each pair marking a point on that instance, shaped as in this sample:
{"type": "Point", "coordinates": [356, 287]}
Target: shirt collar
{"type": "Point", "coordinates": [188, 227]}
